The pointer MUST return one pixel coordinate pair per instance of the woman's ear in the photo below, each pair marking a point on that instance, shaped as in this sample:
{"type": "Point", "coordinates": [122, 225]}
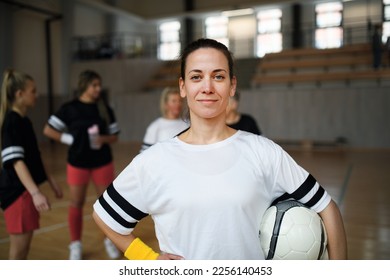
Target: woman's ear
{"type": "Point", "coordinates": [181, 87]}
{"type": "Point", "coordinates": [18, 93]}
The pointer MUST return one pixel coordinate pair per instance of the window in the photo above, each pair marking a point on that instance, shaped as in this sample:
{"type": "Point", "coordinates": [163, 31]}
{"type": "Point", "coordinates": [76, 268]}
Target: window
{"type": "Point", "coordinates": [386, 9]}
{"type": "Point", "coordinates": [269, 36]}
{"type": "Point", "coordinates": [217, 29]}
{"type": "Point", "coordinates": [386, 20]}
{"type": "Point", "coordinates": [169, 48]}
{"type": "Point", "coordinates": [329, 33]}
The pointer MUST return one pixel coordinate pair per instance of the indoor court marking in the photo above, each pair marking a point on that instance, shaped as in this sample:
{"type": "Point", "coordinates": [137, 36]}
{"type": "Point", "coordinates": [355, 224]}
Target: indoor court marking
{"type": "Point", "coordinates": [344, 187]}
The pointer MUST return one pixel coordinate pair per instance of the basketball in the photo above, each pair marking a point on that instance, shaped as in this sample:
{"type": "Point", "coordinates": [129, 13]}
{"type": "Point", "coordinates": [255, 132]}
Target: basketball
{"type": "Point", "coordinates": [291, 231]}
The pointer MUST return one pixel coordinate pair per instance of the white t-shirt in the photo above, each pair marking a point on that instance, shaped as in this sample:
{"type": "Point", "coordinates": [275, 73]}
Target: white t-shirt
{"type": "Point", "coordinates": [207, 201]}
{"type": "Point", "coordinates": [162, 129]}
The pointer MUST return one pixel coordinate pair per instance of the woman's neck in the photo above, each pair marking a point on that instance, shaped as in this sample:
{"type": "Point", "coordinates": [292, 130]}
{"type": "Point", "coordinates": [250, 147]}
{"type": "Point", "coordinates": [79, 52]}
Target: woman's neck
{"type": "Point", "coordinates": [21, 110]}
{"type": "Point", "coordinates": [206, 131]}
{"type": "Point", "coordinates": [86, 99]}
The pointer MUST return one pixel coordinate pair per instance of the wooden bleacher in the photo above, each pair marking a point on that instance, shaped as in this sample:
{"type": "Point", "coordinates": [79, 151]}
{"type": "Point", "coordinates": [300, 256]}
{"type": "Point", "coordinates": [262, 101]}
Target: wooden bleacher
{"type": "Point", "coordinates": [319, 62]}
{"type": "Point", "coordinates": [304, 53]}
{"type": "Point", "coordinates": [291, 67]}
{"type": "Point", "coordinates": [298, 66]}
{"type": "Point", "coordinates": [166, 76]}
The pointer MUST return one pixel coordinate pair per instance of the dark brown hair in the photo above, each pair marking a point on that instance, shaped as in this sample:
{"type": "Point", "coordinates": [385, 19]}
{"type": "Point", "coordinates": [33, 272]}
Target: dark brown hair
{"type": "Point", "coordinates": [205, 43]}
{"type": "Point", "coordinates": [85, 79]}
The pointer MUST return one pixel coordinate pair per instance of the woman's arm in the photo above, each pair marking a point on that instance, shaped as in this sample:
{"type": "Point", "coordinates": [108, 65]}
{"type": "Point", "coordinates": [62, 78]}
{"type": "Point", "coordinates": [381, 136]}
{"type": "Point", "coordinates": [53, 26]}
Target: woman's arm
{"type": "Point", "coordinates": [123, 242]}
{"type": "Point", "coordinates": [107, 139]}
{"type": "Point", "coordinates": [62, 137]}
{"type": "Point", "coordinates": [337, 241]}
{"type": "Point", "coordinates": [52, 133]}
{"type": "Point", "coordinates": [40, 201]}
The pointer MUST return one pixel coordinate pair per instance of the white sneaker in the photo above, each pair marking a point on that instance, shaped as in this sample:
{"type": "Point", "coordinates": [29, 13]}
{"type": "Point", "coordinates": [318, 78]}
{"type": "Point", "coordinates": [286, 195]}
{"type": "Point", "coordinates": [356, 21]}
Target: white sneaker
{"type": "Point", "coordinates": [111, 249]}
{"type": "Point", "coordinates": [75, 250]}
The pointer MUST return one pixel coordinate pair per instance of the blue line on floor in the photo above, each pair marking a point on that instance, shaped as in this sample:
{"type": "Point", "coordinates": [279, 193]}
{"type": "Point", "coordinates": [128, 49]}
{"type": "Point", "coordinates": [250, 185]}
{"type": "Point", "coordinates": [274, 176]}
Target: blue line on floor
{"type": "Point", "coordinates": [345, 185]}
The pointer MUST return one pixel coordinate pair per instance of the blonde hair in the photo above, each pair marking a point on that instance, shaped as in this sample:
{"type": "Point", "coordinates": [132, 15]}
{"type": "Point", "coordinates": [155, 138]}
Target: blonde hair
{"type": "Point", "coordinates": [13, 81]}
{"type": "Point", "coordinates": [165, 96]}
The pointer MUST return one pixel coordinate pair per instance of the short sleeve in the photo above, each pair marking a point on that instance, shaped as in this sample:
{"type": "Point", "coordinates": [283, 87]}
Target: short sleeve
{"type": "Point", "coordinates": [294, 182]}
{"type": "Point", "coordinates": [60, 119]}
{"type": "Point", "coordinates": [12, 147]}
{"type": "Point", "coordinates": [115, 207]}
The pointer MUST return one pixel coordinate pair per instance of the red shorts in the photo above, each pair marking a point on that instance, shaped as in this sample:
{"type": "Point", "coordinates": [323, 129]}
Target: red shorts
{"type": "Point", "coordinates": [21, 216]}
{"type": "Point", "coordinates": [101, 176]}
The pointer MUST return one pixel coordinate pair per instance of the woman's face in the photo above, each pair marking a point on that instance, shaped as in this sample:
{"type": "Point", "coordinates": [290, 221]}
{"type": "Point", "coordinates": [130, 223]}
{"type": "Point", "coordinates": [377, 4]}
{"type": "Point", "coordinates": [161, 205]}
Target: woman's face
{"type": "Point", "coordinates": [93, 90]}
{"type": "Point", "coordinates": [29, 94]}
{"type": "Point", "coordinates": [207, 84]}
{"type": "Point", "coordinates": [173, 106]}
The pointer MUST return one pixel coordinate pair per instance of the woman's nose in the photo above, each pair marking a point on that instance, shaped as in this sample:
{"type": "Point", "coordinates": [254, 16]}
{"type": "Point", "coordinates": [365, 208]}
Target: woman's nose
{"type": "Point", "coordinates": [207, 86]}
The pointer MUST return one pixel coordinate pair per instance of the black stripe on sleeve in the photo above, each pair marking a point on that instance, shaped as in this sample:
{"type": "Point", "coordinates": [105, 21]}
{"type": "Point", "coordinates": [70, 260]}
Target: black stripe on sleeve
{"type": "Point", "coordinates": [305, 188]}
{"type": "Point", "coordinates": [124, 204]}
{"type": "Point", "coordinates": [114, 214]}
{"type": "Point", "coordinates": [315, 198]}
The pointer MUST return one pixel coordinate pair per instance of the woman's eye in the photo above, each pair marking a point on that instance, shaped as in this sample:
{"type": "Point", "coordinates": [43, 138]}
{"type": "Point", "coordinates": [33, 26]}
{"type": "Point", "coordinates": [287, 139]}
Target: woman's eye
{"type": "Point", "coordinates": [196, 77]}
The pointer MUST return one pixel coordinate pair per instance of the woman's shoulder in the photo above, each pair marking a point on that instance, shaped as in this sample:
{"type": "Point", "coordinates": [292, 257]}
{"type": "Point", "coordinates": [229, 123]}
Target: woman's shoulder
{"type": "Point", "coordinates": [261, 148]}
{"type": "Point", "coordinates": [258, 140]}
{"type": "Point", "coordinates": [15, 123]}
{"type": "Point", "coordinates": [154, 123]}
{"type": "Point", "coordinates": [12, 118]}
{"type": "Point", "coordinates": [249, 136]}
{"type": "Point", "coordinates": [70, 104]}
{"type": "Point", "coordinates": [162, 146]}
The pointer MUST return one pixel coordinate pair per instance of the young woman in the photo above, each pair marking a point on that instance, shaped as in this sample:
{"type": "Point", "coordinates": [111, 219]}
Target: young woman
{"type": "Point", "coordinates": [88, 157]}
{"type": "Point", "coordinates": [208, 188]}
{"type": "Point", "coordinates": [22, 169]}
{"type": "Point", "coordinates": [170, 123]}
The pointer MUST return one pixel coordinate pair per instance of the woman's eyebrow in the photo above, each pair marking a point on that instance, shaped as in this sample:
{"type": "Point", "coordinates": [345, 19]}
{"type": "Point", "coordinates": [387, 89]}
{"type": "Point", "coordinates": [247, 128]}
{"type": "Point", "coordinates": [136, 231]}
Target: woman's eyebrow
{"type": "Point", "coordinates": [200, 71]}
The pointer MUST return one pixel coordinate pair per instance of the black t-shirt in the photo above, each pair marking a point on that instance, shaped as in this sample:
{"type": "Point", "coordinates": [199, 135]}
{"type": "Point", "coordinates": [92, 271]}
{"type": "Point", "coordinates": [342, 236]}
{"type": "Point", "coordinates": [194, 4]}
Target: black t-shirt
{"type": "Point", "coordinates": [246, 123]}
{"type": "Point", "coordinates": [18, 142]}
{"type": "Point", "coordinates": [76, 117]}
